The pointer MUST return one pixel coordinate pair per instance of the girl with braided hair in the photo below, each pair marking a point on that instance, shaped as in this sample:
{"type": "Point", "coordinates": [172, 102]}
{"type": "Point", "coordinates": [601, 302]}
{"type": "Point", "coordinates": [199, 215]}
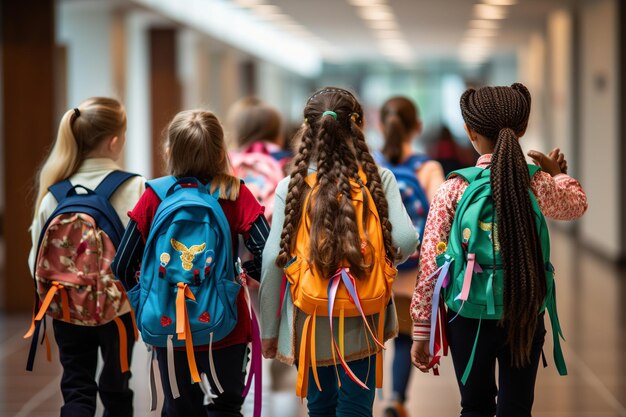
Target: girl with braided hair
{"type": "Point", "coordinates": [333, 147]}
{"type": "Point", "coordinates": [495, 119]}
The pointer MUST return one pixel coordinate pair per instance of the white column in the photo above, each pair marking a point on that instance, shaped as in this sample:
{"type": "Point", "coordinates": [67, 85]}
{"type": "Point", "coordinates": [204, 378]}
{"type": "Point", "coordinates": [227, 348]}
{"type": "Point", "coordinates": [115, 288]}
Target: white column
{"type": "Point", "coordinates": [599, 117]}
{"type": "Point", "coordinates": [138, 139]}
{"type": "Point", "coordinates": [85, 28]}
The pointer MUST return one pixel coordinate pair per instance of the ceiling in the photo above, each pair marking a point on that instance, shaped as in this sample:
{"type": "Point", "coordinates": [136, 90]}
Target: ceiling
{"type": "Point", "coordinates": [431, 29]}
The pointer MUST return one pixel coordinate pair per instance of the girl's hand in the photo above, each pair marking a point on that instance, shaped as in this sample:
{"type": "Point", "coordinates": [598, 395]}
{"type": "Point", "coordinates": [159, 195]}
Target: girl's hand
{"type": "Point", "coordinates": [420, 356]}
{"type": "Point", "coordinates": [554, 163]}
{"type": "Point", "coordinates": [270, 346]}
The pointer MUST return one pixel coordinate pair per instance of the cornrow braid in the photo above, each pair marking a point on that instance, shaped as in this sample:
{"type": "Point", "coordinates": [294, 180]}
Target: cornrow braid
{"type": "Point", "coordinates": [501, 115]}
{"type": "Point", "coordinates": [295, 195]}
{"type": "Point", "coordinates": [374, 185]}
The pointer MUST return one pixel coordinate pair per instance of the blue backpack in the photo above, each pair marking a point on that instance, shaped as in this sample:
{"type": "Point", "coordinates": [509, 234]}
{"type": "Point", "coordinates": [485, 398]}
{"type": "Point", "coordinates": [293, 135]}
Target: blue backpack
{"type": "Point", "coordinates": [72, 274]}
{"type": "Point", "coordinates": [413, 196]}
{"type": "Point", "coordinates": [188, 290]}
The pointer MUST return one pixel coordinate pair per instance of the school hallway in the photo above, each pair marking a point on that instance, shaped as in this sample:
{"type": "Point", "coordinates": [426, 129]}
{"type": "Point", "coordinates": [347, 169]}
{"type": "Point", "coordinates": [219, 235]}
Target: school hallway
{"type": "Point", "coordinates": [591, 310]}
{"type": "Point", "coordinates": [160, 57]}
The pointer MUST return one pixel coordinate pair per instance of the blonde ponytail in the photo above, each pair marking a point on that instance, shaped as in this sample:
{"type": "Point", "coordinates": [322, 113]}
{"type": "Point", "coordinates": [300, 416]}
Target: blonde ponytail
{"type": "Point", "coordinates": [62, 161]}
{"type": "Point", "coordinates": [81, 130]}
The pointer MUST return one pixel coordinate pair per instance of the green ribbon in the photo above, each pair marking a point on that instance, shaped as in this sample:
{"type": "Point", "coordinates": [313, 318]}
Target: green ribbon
{"type": "Point", "coordinates": [557, 334]}
{"type": "Point", "coordinates": [470, 362]}
{"type": "Point", "coordinates": [491, 304]}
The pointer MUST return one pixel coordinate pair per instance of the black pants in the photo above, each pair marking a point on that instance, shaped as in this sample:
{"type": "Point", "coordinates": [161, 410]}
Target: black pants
{"type": "Point", "coordinates": [229, 368]}
{"type": "Point", "coordinates": [78, 351]}
{"type": "Point", "coordinates": [516, 386]}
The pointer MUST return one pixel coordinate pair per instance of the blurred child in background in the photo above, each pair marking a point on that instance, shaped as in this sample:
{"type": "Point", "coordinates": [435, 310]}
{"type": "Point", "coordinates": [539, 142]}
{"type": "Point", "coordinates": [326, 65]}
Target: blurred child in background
{"type": "Point", "coordinates": [418, 179]}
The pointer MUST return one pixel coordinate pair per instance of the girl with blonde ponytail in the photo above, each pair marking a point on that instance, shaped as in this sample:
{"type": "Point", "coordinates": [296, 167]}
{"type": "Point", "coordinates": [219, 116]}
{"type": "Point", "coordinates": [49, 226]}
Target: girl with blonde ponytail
{"type": "Point", "coordinates": [90, 139]}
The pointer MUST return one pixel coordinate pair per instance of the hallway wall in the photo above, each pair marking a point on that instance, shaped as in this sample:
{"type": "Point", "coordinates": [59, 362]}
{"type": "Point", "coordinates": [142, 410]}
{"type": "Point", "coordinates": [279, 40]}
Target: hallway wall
{"type": "Point", "coordinates": [600, 138]}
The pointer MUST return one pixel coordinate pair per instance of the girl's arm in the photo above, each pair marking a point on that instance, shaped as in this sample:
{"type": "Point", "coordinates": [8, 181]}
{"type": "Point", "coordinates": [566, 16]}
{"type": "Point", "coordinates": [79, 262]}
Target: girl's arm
{"type": "Point", "coordinates": [438, 225]}
{"type": "Point", "coordinates": [431, 177]}
{"type": "Point", "coordinates": [560, 197]}
{"type": "Point", "coordinates": [255, 240]}
{"type": "Point", "coordinates": [127, 261]}
{"type": "Point", "coordinates": [46, 208]}
{"type": "Point", "coordinates": [403, 233]}
{"type": "Point", "coordinates": [271, 275]}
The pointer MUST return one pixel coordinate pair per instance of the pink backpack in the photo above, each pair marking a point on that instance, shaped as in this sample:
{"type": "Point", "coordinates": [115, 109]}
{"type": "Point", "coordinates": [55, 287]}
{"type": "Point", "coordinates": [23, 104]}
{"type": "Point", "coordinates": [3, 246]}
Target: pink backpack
{"type": "Point", "coordinates": [261, 171]}
{"type": "Point", "coordinates": [73, 274]}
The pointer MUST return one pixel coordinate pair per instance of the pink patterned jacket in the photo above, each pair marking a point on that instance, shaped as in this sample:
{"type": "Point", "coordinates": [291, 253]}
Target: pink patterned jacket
{"type": "Point", "coordinates": [560, 197]}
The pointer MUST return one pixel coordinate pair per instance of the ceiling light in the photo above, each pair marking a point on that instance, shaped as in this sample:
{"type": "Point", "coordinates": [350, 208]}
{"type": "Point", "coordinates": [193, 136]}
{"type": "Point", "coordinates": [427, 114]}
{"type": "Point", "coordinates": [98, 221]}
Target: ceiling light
{"type": "Point", "coordinates": [484, 24]}
{"type": "Point", "coordinates": [248, 3]}
{"type": "Point", "coordinates": [485, 11]}
{"type": "Point", "coordinates": [266, 9]}
{"type": "Point", "coordinates": [500, 2]}
{"type": "Point", "coordinates": [376, 13]}
{"type": "Point", "coordinates": [365, 3]}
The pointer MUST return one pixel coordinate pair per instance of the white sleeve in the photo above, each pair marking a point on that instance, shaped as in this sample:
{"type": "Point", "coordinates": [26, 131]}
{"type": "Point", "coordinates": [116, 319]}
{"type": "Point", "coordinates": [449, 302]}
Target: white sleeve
{"type": "Point", "coordinates": [48, 204]}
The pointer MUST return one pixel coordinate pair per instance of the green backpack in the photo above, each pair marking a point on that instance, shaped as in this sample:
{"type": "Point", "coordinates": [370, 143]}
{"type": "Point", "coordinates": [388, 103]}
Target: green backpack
{"type": "Point", "coordinates": [468, 282]}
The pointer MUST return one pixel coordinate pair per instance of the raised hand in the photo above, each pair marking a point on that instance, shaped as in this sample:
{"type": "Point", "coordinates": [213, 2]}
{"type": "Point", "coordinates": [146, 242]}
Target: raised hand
{"type": "Point", "coordinates": [554, 163]}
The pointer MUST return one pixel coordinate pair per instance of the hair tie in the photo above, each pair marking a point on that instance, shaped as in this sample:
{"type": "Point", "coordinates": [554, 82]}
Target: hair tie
{"type": "Point", "coordinates": [76, 112]}
{"type": "Point", "coordinates": [328, 112]}
{"type": "Point", "coordinates": [505, 129]}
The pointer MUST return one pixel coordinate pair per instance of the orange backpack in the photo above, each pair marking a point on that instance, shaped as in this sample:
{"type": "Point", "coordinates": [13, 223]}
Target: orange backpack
{"type": "Point", "coordinates": [342, 295]}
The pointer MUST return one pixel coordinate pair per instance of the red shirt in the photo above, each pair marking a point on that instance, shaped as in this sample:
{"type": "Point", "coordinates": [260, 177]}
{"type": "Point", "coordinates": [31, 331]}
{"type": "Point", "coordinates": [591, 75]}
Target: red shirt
{"type": "Point", "coordinates": [241, 214]}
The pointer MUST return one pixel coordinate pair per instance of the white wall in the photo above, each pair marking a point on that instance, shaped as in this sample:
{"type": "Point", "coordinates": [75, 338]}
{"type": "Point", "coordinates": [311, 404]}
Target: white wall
{"type": "Point", "coordinates": [138, 133]}
{"type": "Point", "coordinates": [532, 63]}
{"type": "Point", "coordinates": [599, 117]}
{"type": "Point", "coordinates": [561, 84]}
{"type": "Point", "coordinates": [84, 27]}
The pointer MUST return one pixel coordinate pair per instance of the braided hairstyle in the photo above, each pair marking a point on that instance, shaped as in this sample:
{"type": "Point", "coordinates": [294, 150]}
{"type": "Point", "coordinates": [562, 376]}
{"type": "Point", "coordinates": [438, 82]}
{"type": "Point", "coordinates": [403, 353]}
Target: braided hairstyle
{"type": "Point", "coordinates": [338, 148]}
{"type": "Point", "coordinates": [501, 115]}
{"type": "Point", "coordinates": [398, 117]}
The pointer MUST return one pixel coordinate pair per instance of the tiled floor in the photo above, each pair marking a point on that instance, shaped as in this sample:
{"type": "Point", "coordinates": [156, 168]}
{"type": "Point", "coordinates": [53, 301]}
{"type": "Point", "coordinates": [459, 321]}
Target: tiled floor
{"type": "Point", "coordinates": [592, 312]}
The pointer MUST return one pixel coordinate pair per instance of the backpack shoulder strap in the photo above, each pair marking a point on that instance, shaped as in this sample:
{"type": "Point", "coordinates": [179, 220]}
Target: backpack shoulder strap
{"type": "Point", "coordinates": [112, 182]}
{"type": "Point", "coordinates": [416, 161]}
{"type": "Point", "coordinates": [533, 169]}
{"type": "Point", "coordinates": [468, 174]}
{"type": "Point", "coordinates": [60, 189]}
{"type": "Point", "coordinates": [161, 185]}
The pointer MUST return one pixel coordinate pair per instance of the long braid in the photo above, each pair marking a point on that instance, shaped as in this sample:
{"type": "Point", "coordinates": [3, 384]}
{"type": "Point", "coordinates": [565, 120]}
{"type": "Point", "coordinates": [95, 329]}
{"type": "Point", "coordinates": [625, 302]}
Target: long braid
{"type": "Point", "coordinates": [295, 195]}
{"type": "Point", "coordinates": [374, 184]}
{"type": "Point", "coordinates": [323, 205]}
{"type": "Point", "coordinates": [501, 115]}
{"type": "Point", "coordinates": [345, 224]}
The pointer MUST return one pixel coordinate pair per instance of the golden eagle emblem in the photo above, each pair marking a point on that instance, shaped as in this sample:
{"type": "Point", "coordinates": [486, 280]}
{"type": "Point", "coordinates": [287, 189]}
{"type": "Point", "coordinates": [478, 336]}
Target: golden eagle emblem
{"type": "Point", "coordinates": [493, 235]}
{"type": "Point", "coordinates": [187, 255]}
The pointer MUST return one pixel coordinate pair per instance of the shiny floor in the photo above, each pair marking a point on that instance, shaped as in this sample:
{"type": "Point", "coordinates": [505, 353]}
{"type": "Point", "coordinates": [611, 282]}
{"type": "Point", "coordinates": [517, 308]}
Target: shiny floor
{"type": "Point", "coordinates": [591, 296]}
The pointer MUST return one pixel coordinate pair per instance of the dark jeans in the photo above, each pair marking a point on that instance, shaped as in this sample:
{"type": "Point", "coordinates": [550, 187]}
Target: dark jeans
{"type": "Point", "coordinates": [516, 386]}
{"type": "Point", "coordinates": [78, 351]}
{"type": "Point", "coordinates": [229, 368]}
{"type": "Point", "coordinates": [348, 401]}
{"type": "Point", "coordinates": [401, 366]}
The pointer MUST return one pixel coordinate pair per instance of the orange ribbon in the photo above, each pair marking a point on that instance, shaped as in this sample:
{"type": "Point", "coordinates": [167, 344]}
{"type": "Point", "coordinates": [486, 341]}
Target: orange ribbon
{"type": "Point", "coordinates": [183, 329]}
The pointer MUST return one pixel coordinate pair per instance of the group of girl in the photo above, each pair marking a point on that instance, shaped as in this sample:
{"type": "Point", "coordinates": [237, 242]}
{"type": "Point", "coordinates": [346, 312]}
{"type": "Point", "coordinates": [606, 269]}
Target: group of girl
{"type": "Point", "coordinates": [331, 168]}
